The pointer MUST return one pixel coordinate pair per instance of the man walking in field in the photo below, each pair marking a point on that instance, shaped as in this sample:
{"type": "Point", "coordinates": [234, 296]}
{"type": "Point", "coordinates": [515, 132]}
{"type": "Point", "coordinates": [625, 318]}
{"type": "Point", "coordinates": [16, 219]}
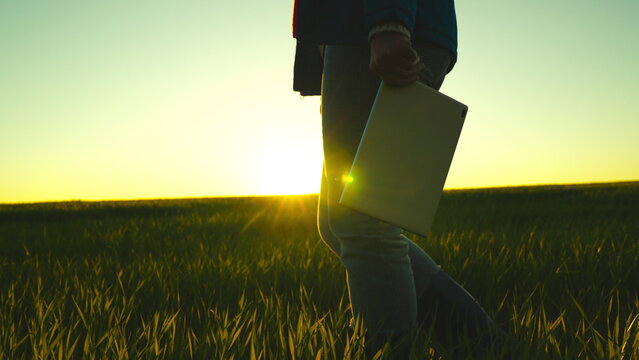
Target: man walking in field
{"type": "Point", "coordinates": [394, 286]}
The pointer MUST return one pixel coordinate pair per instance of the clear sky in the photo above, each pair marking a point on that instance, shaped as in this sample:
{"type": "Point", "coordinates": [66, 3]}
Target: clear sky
{"type": "Point", "coordinates": [156, 98]}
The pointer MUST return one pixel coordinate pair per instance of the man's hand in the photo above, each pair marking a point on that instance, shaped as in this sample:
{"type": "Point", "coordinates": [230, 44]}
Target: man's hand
{"type": "Point", "coordinates": [393, 59]}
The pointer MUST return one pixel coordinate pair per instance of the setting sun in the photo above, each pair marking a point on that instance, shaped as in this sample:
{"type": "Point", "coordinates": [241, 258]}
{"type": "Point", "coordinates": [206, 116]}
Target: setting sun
{"type": "Point", "coordinates": [288, 166]}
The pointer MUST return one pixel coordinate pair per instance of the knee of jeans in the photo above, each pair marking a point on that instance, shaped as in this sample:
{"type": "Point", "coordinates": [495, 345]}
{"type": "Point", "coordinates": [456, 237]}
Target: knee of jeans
{"type": "Point", "coordinates": [327, 235]}
{"type": "Point", "coordinates": [363, 236]}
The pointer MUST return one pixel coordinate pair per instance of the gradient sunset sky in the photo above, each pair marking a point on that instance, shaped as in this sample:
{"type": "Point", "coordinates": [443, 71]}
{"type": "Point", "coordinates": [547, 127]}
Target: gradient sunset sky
{"type": "Point", "coordinates": [154, 99]}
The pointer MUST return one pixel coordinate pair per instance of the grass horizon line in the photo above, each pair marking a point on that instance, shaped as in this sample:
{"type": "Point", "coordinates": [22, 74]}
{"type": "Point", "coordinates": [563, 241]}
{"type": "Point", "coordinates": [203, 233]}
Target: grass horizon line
{"type": "Point", "coordinates": [245, 196]}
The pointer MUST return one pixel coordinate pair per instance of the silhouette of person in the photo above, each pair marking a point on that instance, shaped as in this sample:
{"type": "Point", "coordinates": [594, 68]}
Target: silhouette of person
{"type": "Point", "coordinates": [394, 286]}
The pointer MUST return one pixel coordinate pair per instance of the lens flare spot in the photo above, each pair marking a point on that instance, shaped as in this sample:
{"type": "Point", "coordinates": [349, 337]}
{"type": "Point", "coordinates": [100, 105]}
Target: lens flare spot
{"type": "Point", "coordinates": [347, 179]}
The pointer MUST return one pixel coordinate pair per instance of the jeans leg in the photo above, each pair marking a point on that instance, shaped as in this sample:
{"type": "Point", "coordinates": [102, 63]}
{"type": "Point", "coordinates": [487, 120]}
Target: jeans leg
{"type": "Point", "coordinates": [375, 254]}
{"type": "Point", "coordinates": [385, 270]}
{"type": "Point", "coordinates": [323, 226]}
{"type": "Point", "coordinates": [391, 280]}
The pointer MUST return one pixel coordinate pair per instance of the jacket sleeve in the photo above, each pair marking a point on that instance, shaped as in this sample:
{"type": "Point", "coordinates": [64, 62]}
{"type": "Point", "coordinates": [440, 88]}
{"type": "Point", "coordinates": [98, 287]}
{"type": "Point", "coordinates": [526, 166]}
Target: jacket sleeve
{"type": "Point", "coordinates": [382, 11]}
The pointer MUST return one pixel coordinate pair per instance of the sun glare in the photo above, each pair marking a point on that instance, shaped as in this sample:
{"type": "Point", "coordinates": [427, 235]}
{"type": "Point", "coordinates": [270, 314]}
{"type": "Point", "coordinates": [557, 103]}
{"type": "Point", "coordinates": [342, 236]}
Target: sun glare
{"type": "Point", "coordinates": [289, 167]}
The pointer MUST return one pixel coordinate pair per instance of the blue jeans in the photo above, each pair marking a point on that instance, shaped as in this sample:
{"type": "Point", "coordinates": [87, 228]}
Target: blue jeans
{"type": "Point", "coordinates": [386, 271]}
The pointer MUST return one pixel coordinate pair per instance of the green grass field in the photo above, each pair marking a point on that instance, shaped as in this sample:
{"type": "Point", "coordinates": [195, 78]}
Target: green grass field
{"type": "Point", "coordinates": [248, 278]}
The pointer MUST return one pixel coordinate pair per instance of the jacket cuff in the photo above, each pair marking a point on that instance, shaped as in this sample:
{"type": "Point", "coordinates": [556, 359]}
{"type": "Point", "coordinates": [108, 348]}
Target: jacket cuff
{"type": "Point", "coordinates": [389, 27]}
